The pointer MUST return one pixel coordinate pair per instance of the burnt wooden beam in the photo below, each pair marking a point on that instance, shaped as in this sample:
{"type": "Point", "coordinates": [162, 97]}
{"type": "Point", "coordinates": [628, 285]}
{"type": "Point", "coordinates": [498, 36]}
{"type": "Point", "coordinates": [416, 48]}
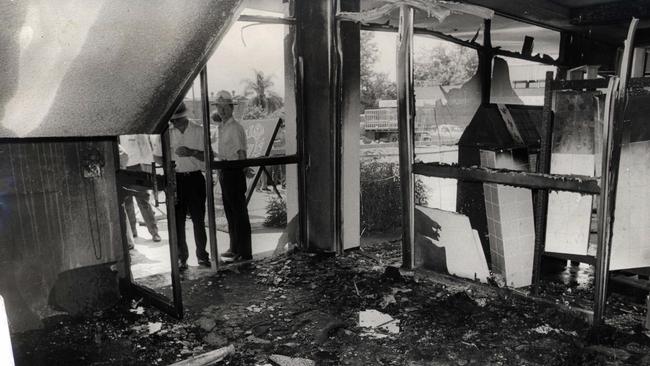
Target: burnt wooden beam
{"type": "Point", "coordinates": [135, 291]}
{"type": "Point", "coordinates": [548, 60]}
{"type": "Point", "coordinates": [207, 156]}
{"type": "Point", "coordinates": [543, 167]}
{"type": "Point", "coordinates": [261, 161]}
{"type": "Point", "coordinates": [610, 13]}
{"type": "Point", "coordinates": [555, 182]}
{"type": "Point", "coordinates": [578, 84]}
{"type": "Point", "coordinates": [266, 19]}
{"type": "Point", "coordinates": [589, 259]}
{"type": "Point", "coordinates": [473, 45]}
{"type": "Point", "coordinates": [423, 32]}
{"type": "Point", "coordinates": [349, 57]}
{"type": "Point", "coordinates": [316, 41]}
{"type": "Point", "coordinates": [406, 121]}
{"type": "Point", "coordinates": [485, 57]}
{"type": "Point", "coordinates": [611, 157]}
{"type": "Point", "coordinates": [170, 199]}
{"type": "Point", "coordinates": [564, 61]}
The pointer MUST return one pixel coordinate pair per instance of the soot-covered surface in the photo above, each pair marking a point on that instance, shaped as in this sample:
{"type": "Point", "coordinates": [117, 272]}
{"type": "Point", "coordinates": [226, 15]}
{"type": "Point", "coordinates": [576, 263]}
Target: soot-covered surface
{"type": "Point", "coordinates": [100, 68]}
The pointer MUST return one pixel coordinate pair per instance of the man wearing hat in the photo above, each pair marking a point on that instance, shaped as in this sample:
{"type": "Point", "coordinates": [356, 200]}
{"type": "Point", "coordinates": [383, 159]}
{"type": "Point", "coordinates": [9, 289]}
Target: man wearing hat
{"type": "Point", "coordinates": [232, 146]}
{"type": "Point", "coordinates": [186, 139]}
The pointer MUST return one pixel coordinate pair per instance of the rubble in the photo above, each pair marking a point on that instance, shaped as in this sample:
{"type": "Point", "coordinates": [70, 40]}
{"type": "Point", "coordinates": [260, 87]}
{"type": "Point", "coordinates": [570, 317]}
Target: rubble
{"type": "Point", "coordinates": [289, 361]}
{"type": "Point", "coordinates": [378, 323]}
{"type": "Point", "coordinates": [309, 307]}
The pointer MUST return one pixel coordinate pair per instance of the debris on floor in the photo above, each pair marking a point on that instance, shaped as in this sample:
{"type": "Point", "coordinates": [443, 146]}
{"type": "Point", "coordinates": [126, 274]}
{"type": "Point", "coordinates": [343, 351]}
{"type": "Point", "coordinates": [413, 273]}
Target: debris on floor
{"type": "Point", "coordinates": [377, 321]}
{"type": "Point", "coordinates": [290, 361]}
{"type": "Point", "coordinates": [320, 309]}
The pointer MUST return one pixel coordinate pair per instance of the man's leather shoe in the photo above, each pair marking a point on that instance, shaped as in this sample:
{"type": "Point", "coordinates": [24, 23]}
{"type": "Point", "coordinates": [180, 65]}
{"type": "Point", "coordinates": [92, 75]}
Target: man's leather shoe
{"type": "Point", "coordinates": [205, 263]}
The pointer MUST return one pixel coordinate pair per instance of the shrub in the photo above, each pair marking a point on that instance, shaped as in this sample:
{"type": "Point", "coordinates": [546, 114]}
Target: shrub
{"type": "Point", "coordinates": [381, 203]}
{"type": "Point", "coordinates": [276, 212]}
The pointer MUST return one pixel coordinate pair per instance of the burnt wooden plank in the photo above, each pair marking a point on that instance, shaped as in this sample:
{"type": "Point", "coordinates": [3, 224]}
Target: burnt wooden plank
{"type": "Point", "coordinates": [262, 161]}
{"type": "Point", "coordinates": [579, 84]}
{"type": "Point", "coordinates": [556, 182]}
{"type": "Point", "coordinates": [315, 41]}
{"type": "Point", "coordinates": [405, 121]}
{"type": "Point", "coordinates": [423, 32]}
{"type": "Point", "coordinates": [611, 155]}
{"type": "Point", "coordinates": [545, 59]}
{"type": "Point", "coordinates": [540, 197]}
{"type": "Point", "coordinates": [589, 259]}
{"type": "Point", "coordinates": [267, 19]}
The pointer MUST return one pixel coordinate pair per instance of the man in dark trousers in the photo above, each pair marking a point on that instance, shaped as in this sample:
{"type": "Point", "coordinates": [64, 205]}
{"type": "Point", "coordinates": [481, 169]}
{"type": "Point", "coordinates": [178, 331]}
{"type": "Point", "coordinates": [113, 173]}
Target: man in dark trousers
{"type": "Point", "coordinates": [232, 146]}
{"type": "Point", "coordinates": [186, 139]}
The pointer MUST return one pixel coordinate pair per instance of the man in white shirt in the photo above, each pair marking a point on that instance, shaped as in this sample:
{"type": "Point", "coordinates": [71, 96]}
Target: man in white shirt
{"type": "Point", "coordinates": [139, 152]}
{"type": "Point", "coordinates": [186, 139]}
{"type": "Point", "coordinates": [232, 146]}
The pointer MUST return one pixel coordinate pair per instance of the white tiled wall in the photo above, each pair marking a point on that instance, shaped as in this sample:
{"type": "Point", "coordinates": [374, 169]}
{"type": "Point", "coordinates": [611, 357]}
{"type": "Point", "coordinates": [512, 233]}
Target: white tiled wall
{"type": "Point", "coordinates": [463, 250]}
{"type": "Point", "coordinates": [510, 222]}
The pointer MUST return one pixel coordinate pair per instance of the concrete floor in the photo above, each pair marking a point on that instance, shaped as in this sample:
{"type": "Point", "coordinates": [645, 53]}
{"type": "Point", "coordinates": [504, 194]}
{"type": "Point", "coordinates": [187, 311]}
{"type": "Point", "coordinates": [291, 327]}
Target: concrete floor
{"type": "Point", "coordinates": [150, 261]}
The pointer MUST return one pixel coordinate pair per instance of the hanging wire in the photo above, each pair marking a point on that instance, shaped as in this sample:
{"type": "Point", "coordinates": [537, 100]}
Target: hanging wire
{"type": "Point", "coordinates": [241, 32]}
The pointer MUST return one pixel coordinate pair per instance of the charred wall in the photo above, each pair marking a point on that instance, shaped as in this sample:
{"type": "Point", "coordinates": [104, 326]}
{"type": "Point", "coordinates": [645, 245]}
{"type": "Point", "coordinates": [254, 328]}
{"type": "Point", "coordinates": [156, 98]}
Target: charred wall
{"type": "Point", "coordinates": [59, 228]}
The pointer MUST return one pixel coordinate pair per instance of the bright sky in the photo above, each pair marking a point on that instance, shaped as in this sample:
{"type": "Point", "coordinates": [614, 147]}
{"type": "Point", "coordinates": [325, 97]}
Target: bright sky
{"type": "Point", "coordinates": [249, 46]}
{"type": "Point", "coordinates": [244, 48]}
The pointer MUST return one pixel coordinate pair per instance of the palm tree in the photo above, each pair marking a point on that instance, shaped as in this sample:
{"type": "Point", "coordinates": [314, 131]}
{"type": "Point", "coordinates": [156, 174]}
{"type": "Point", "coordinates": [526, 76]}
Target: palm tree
{"type": "Point", "coordinates": [259, 86]}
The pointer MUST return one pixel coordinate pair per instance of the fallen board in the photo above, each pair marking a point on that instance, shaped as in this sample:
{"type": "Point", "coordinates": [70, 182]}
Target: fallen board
{"type": "Point", "coordinates": [445, 241]}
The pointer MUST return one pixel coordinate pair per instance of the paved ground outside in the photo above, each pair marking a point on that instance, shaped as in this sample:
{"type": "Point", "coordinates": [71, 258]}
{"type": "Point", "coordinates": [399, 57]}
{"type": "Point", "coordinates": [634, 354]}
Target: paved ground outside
{"type": "Point", "coordinates": [150, 261]}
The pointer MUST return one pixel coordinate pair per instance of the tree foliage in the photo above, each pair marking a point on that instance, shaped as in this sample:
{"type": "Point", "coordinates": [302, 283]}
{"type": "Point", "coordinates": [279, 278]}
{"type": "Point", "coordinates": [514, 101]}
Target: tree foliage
{"type": "Point", "coordinates": [444, 65]}
{"type": "Point", "coordinates": [262, 97]}
{"type": "Point", "coordinates": [437, 65]}
{"type": "Point", "coordinates": [375, 86]}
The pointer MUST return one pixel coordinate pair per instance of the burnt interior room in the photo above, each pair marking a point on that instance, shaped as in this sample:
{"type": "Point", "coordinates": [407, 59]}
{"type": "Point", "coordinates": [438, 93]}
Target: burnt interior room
{"type": "Point", "coordinates": [423, 181]}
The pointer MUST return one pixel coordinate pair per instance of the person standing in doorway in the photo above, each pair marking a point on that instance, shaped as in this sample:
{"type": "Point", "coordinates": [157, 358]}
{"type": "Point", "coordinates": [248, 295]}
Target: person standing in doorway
{"type": "Point", "coordinates": [186, 139]}
{"type": "Point", "coordinates": [140, 158]}
{"type": "Point", "coordinates": [232, 146]}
